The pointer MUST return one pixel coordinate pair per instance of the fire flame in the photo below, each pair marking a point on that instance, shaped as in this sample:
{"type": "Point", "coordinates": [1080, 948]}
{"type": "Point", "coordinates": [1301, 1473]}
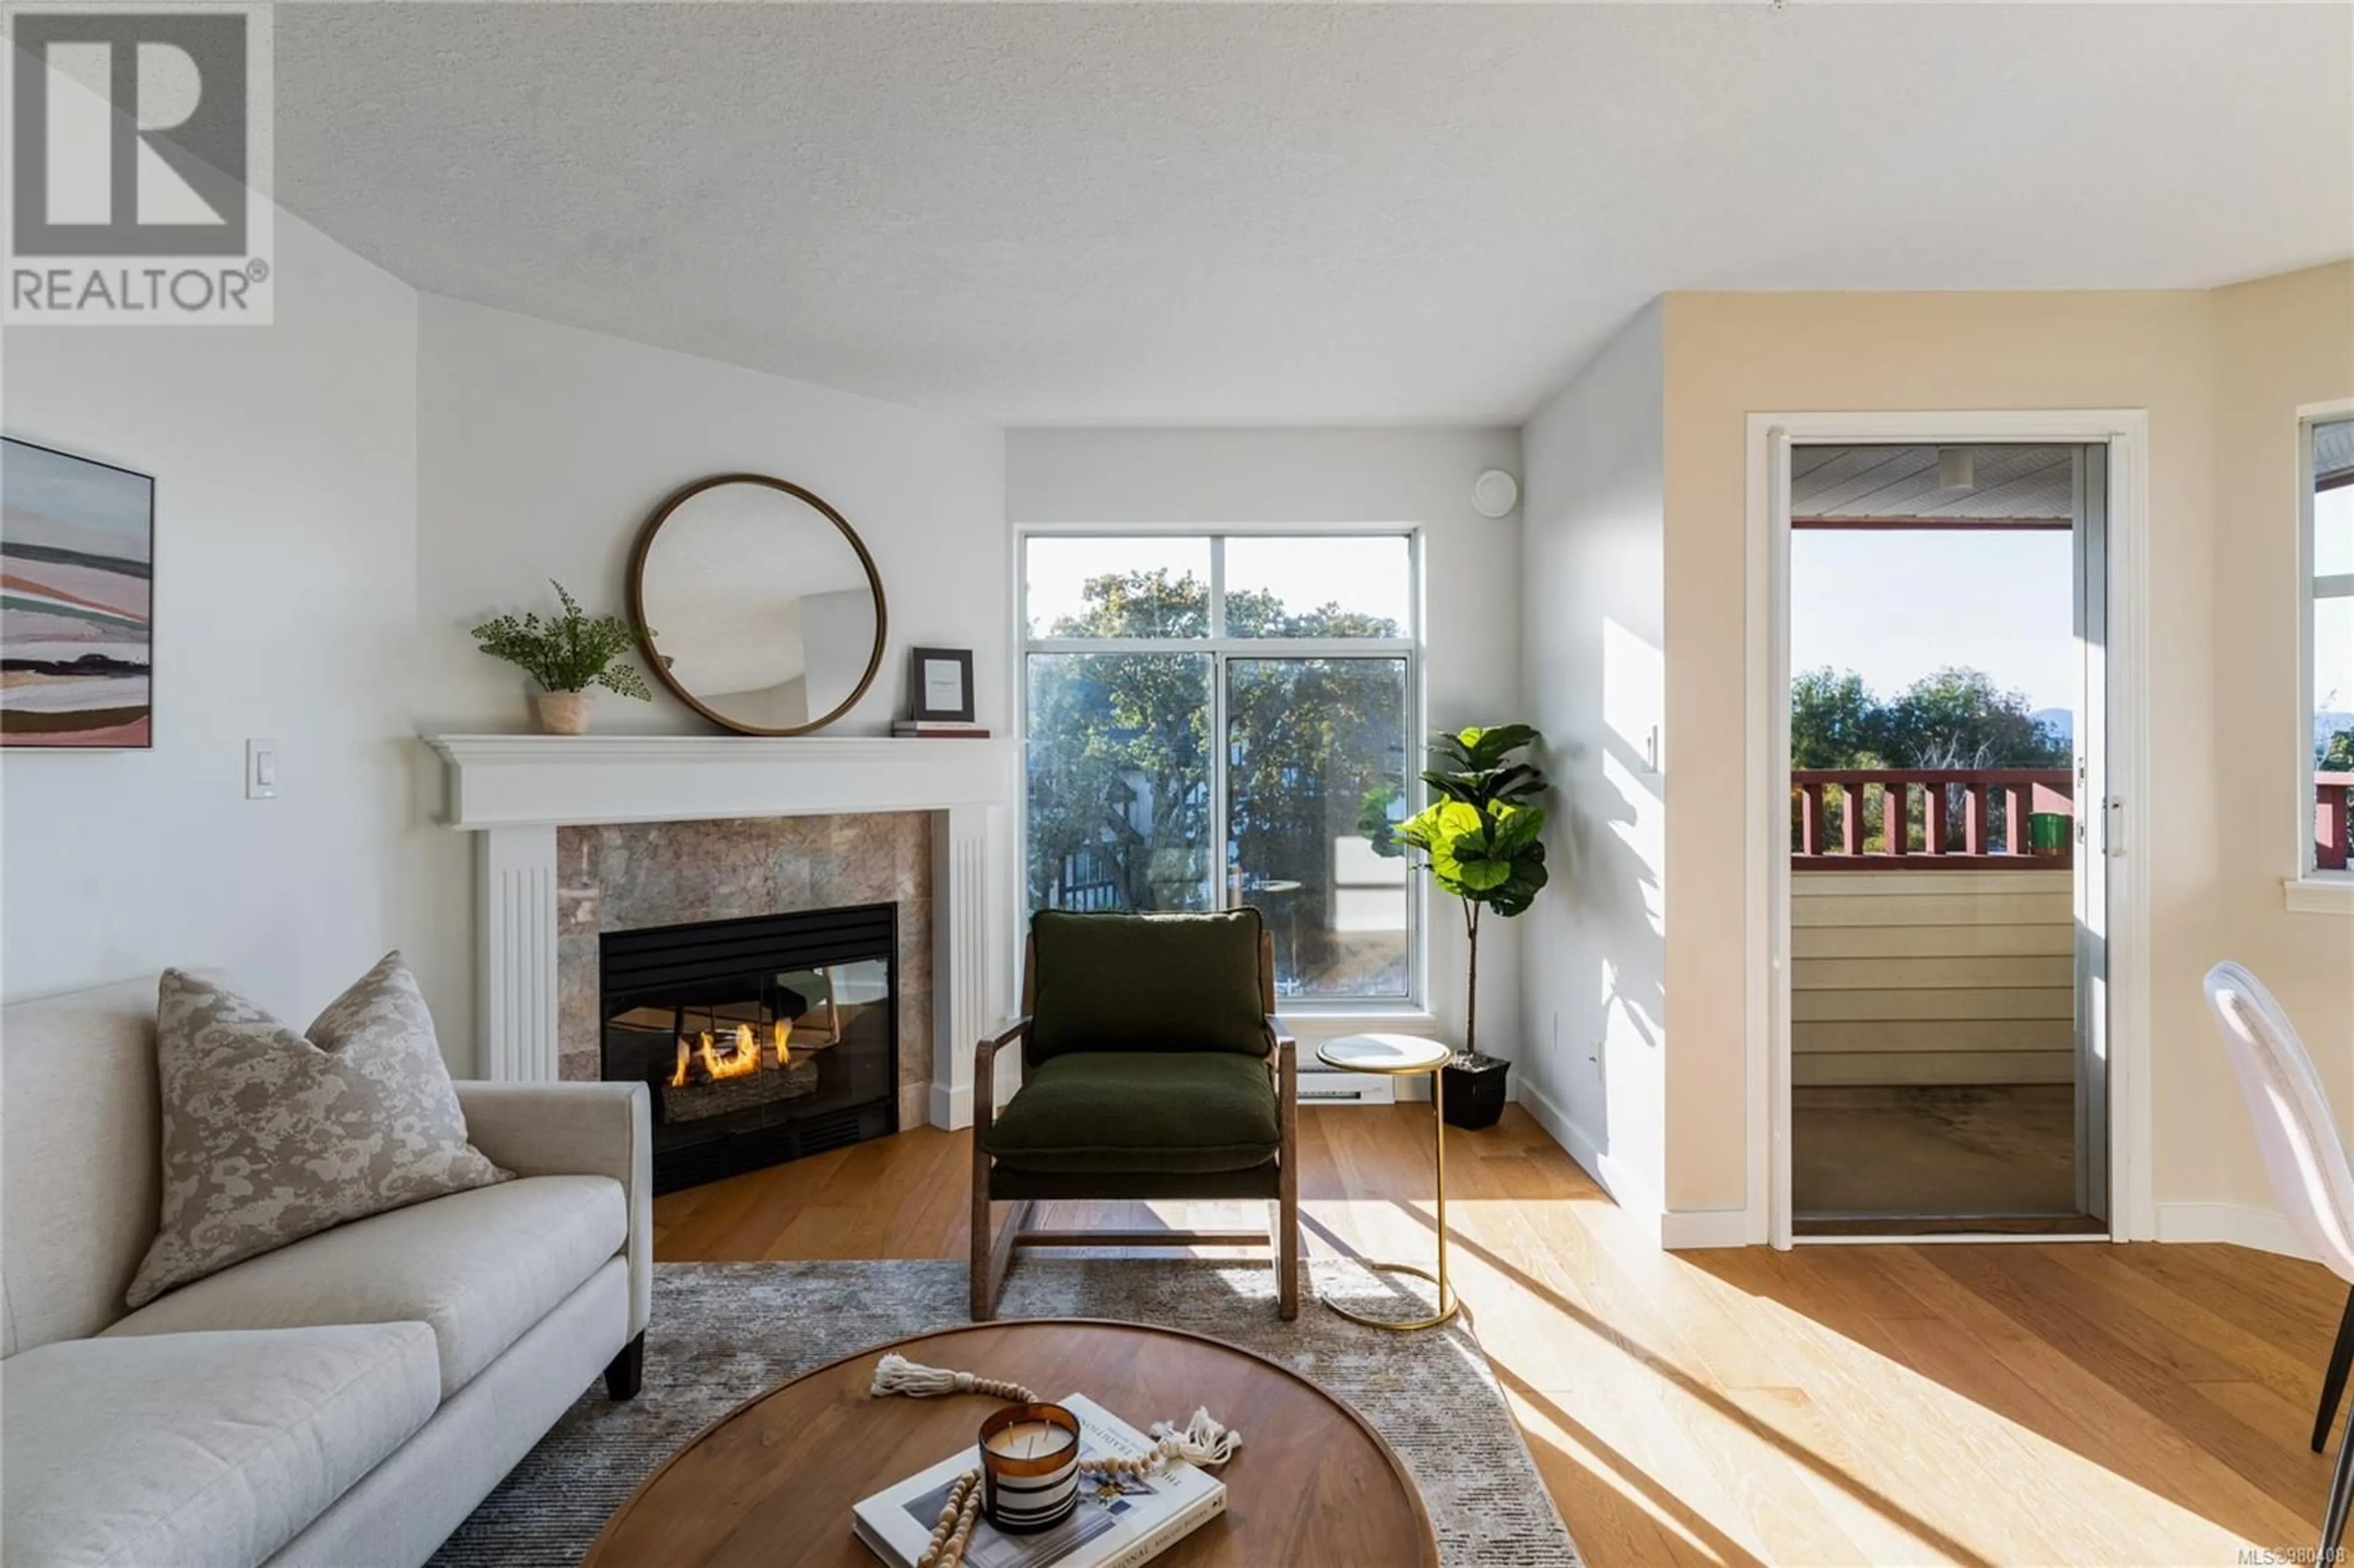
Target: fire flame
{"type": "Point", "coordinates": [740, 1057]}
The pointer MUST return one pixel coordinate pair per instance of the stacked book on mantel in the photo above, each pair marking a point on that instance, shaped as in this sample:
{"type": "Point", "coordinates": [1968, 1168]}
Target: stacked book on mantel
{"type": "Point", "coordinates": [939, 729]}
{"type": "Point", "coordinates": [1122, 1520]}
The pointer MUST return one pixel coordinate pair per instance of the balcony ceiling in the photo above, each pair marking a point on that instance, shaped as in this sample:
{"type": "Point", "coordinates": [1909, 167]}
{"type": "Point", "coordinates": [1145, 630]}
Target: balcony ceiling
{"type": "Point", "coordinates": [2333, 452]}
{"type": "Point", "coordinates": [2008, 484]}
{"type": "Point", "coordinates": [1041, 213]}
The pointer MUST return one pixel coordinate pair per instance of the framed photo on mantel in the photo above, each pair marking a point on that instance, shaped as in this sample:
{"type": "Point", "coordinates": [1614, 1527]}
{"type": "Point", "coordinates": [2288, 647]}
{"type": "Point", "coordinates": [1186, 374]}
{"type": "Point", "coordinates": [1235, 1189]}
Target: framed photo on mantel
{"type": "Point", "coordinates": [940, 689]}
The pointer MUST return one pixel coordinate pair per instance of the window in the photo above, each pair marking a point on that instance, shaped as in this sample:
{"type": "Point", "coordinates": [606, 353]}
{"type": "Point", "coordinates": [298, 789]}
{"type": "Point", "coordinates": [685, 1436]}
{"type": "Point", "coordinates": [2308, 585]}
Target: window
{"type": "Point", "coordinates": [1222, 720]}
{"type": "Point", "coordinates": [2328, 448]}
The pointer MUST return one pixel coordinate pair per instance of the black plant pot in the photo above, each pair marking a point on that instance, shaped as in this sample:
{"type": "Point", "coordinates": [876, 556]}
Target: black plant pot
{"type": "Point", "coordinates": [1475, 1090]}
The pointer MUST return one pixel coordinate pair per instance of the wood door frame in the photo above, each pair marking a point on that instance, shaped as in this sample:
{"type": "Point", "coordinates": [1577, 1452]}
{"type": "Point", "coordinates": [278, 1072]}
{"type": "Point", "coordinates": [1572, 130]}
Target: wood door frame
{"type": "Point", "coordinates": [2124, 832]}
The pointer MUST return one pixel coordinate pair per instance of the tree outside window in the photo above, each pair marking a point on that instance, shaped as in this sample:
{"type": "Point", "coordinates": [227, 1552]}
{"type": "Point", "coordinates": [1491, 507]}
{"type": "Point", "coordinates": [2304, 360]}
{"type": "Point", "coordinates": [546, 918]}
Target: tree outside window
{"type": "Point", "coordinates": [1170, 770]}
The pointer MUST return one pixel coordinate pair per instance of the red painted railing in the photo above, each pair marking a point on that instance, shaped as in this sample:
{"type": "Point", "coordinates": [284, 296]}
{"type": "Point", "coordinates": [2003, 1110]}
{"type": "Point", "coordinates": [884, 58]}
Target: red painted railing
{"type": "Point", "coordinates": [2333, 806]}
{"type": "Point", "coordinates": [1944, 817]}
{"type": "Point", "coordinates": [1977, 817]}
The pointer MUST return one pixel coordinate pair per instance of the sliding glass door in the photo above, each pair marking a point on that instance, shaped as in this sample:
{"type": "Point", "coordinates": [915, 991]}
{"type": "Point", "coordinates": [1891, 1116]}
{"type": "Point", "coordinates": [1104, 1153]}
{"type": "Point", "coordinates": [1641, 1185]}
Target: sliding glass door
{"type": "Point", "coordinates": [1947, 880]}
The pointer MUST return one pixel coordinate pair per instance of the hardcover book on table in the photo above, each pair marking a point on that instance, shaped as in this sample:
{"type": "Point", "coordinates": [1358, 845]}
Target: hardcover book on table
{"type": "Point", "coordinates": [1122, 1520]}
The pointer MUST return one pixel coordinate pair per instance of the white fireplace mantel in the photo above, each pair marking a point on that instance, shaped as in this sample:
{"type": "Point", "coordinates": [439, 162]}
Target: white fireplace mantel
{"type": "Point", "coordinates": [516, 790]}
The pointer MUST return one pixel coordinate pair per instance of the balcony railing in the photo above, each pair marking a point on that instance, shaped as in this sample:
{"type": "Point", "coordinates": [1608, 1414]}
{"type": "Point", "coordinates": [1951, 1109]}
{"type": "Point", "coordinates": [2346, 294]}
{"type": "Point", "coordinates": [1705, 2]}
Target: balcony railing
{"type": "Point", "coordinates": [2333, 805]}
{"type": "Point", "coordinates": [1977, 817]}
{"type": "Point", "coordinates": [1940, 818]}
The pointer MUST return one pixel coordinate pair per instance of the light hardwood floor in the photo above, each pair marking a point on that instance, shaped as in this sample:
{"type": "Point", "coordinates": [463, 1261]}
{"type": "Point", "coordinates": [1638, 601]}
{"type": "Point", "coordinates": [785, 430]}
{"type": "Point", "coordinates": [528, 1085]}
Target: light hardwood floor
{"type": "Point", "coordinates": [2047, 1403]}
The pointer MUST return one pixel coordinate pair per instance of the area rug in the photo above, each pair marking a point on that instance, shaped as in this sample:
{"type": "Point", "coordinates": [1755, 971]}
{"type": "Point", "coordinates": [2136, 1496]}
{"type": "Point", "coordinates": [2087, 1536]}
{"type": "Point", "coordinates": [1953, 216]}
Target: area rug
{"type": "Point", "coordinates": [715, 1344]}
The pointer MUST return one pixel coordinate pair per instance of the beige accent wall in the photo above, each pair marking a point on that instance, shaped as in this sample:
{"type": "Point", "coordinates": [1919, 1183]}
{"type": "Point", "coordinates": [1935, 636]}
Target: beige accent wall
{"type": "Point", "coordinates": [1932, 977]}
{"type": "Point", "coordinates": [2280, 343]}
{"type": "Point", "coordinates": [2222, 647]}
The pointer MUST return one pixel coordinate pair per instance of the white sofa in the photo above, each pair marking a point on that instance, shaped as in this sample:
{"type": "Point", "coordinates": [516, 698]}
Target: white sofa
{"type": "Point", "coordinates": [346, 1400]}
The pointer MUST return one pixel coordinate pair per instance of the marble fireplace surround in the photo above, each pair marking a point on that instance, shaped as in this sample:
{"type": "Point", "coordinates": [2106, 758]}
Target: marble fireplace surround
{"type": "Point", "coordinates": [632, 876]}
{"type": "Point", "coordinates": [516, 793]}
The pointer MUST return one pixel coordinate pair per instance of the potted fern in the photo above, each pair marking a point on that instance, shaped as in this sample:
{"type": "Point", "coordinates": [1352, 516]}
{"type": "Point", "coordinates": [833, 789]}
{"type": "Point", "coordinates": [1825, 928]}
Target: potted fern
{"type": "Point", "coordinates": [1483, 841]}
{"type": "Point", "coordinates": [566, 654]}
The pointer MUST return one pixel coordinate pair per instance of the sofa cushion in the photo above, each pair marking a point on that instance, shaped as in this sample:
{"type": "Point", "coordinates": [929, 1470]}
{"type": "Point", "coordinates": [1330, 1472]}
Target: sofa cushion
{"type": "Point", "coordinates": [199, 1448]}
{"type": "Point", "coordinates": [270, 1136]}
{"type": "Point", "coordinates": [1140, 982]}
{"type": "Point", "coordinates": [478, 1268]}
{"type": "Point", "coordinates": [1107, 1111]}
{"type": "Point", "coordinates": [78, 1126]}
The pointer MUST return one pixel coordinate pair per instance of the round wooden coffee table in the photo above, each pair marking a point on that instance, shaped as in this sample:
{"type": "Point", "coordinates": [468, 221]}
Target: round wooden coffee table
{"type": "Point", "coordinates": [772, 1484]}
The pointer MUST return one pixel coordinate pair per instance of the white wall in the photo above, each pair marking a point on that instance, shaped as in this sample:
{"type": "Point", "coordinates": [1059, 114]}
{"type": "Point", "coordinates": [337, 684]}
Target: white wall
{"type": "Point", "coordinates": [1472, 610]}
{"type": "Point", "coordinates": [1592, 585]}
{"type": "Point", "coordinates": [285, 461]}
{"type": "Point", "coordinates": [542, 449]}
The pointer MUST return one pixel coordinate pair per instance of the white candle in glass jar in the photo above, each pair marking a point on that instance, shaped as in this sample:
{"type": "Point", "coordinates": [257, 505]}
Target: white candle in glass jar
{"type": "Point", "coordinates": [1028, 1440]}
{"type": "Point", "coordinates": [1029, 1466]}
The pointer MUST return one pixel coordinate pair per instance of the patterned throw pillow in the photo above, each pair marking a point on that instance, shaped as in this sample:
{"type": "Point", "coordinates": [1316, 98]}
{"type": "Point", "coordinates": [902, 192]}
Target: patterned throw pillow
{"type": "Point", "coordinates": [270, 1137]}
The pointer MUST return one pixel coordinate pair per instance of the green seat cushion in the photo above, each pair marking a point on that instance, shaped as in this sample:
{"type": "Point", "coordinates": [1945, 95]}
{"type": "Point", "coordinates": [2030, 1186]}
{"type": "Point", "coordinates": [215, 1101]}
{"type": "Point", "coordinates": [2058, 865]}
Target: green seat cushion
{"type": "Point", "coordinates": [1140, 982]}
{"type": "Point", "coordinates": [1163, 1111]}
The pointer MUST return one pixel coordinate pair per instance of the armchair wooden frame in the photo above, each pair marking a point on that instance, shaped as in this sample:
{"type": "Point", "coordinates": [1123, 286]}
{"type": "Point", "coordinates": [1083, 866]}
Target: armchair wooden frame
{"type": "Point", "coordinates": [991, 1255]}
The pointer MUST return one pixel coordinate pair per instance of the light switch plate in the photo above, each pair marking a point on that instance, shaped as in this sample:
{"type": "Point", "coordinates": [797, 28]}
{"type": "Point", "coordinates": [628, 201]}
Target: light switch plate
{"type": "Point", "coordinates": [261, 771]}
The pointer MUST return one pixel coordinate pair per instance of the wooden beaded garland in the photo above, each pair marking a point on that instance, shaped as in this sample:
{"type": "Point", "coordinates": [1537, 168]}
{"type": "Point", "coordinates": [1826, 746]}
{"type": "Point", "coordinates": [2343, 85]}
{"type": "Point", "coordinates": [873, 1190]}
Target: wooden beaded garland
{"type": "Point", "coordinates": [945, 1548]}
{"type": "Point", "coordinates": [1202, 1441]}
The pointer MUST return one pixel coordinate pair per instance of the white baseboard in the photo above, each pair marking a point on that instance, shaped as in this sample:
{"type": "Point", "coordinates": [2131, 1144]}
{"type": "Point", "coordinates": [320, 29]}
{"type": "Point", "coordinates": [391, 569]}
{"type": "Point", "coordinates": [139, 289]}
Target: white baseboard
{"type": "Point", "coordinates": [2242, 1223]}
{"type": "Point", "coordinates": [951, 1108]}
{"type": "Point", "coordinates": [1626, 1186]}
{"type": "Point", "coordinates": [1689, 1230]}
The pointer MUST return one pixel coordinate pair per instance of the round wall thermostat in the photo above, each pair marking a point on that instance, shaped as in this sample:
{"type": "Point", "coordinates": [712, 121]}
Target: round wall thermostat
{"type": "Point", "coordinates": [1494, 493]}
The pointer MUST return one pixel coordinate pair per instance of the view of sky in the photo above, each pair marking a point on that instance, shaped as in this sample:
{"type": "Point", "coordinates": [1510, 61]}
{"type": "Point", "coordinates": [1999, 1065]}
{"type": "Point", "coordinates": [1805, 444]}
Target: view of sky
{"type": "Point", "coordinates": [1895, 607]}
{"type": "Point", "coordinates": [1369, 574]}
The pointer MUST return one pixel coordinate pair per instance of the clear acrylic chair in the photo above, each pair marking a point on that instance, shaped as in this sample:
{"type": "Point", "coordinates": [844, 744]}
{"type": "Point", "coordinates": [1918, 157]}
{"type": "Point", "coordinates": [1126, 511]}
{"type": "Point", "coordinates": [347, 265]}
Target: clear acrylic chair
{"type": "Point", "coordinates": [2312, 1182]}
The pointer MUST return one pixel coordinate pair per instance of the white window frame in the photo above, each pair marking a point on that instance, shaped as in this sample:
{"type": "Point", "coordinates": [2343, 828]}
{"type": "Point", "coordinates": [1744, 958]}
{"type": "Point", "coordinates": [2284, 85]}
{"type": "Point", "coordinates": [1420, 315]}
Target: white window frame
{"type": "Point", "coordinates": [2312, 890]}
{"type": "Point", "coordinates": [1220, 648]}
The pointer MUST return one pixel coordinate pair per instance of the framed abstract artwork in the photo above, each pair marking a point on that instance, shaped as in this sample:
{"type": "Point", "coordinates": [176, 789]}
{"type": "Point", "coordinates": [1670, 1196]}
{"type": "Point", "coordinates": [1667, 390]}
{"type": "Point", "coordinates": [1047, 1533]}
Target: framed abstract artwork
{"type": "Point", "coordinates": [77, 601]}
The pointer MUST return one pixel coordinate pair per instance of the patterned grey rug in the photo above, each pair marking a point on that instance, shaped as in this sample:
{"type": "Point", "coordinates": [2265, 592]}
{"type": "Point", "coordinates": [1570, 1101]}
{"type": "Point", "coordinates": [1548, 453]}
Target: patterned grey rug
{"type": "Point", "coordinates": [1432, 1394]}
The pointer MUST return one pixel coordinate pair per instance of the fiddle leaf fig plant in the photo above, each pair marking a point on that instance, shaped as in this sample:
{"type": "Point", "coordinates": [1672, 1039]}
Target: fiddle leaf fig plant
{"type": "Point", "coordinates": [1480, 771]}
{"type": "Point", "coordinates": [1483, 839]}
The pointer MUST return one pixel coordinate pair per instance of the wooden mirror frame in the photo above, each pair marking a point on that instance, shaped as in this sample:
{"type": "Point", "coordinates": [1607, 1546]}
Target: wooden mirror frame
{"type": "Point", "coordinates": [660, 671]}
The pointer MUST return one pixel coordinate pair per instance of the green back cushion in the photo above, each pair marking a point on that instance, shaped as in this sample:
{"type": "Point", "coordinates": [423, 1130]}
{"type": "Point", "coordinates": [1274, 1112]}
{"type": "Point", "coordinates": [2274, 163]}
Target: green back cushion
{"type": "Point", "coordinates": [1146, 982]}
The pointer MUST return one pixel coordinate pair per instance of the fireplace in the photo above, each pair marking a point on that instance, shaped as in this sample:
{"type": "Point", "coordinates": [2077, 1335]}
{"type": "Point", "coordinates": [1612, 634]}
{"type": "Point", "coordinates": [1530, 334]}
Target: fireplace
{"type": "Point", "coordinates": [761, 1040]}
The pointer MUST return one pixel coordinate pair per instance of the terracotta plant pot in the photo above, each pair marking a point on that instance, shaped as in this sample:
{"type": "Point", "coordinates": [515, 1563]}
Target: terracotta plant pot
{"type": "Point", "coordinates": [562, 713]}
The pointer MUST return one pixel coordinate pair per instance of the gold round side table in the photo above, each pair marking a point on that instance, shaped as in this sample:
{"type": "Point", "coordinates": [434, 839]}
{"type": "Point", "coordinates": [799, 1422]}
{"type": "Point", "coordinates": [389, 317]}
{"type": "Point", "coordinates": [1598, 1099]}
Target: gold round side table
{"type": "Point", "coordinates": [1403, 1056]}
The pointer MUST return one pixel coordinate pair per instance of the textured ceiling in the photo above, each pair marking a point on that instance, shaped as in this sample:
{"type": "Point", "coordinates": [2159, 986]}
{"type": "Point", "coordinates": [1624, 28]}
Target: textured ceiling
{"type": "Point", "coordinates": [1072, 213]}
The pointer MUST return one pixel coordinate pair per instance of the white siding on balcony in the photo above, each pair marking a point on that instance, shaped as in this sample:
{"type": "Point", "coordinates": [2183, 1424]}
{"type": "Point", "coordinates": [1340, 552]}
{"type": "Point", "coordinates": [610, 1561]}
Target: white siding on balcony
{"type": "Point", "coordinates": [1931, 977]}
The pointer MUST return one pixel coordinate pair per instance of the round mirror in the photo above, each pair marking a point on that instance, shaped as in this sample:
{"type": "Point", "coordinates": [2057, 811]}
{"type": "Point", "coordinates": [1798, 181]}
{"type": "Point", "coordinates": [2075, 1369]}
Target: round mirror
{"type": "Point", "coordinates": [756, 602]}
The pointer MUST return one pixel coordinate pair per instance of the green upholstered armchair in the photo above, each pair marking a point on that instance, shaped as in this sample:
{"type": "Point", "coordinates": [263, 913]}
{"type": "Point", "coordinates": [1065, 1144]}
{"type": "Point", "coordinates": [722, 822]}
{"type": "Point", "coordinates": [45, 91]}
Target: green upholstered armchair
{"type": "Point", "coordinates": [1153, 1067]}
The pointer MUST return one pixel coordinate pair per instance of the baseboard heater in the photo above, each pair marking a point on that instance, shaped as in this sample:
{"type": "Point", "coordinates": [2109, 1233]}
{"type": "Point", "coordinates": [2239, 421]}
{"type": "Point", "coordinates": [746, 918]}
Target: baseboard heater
{"type": "Point", "coordinates": [1322, 1089]}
